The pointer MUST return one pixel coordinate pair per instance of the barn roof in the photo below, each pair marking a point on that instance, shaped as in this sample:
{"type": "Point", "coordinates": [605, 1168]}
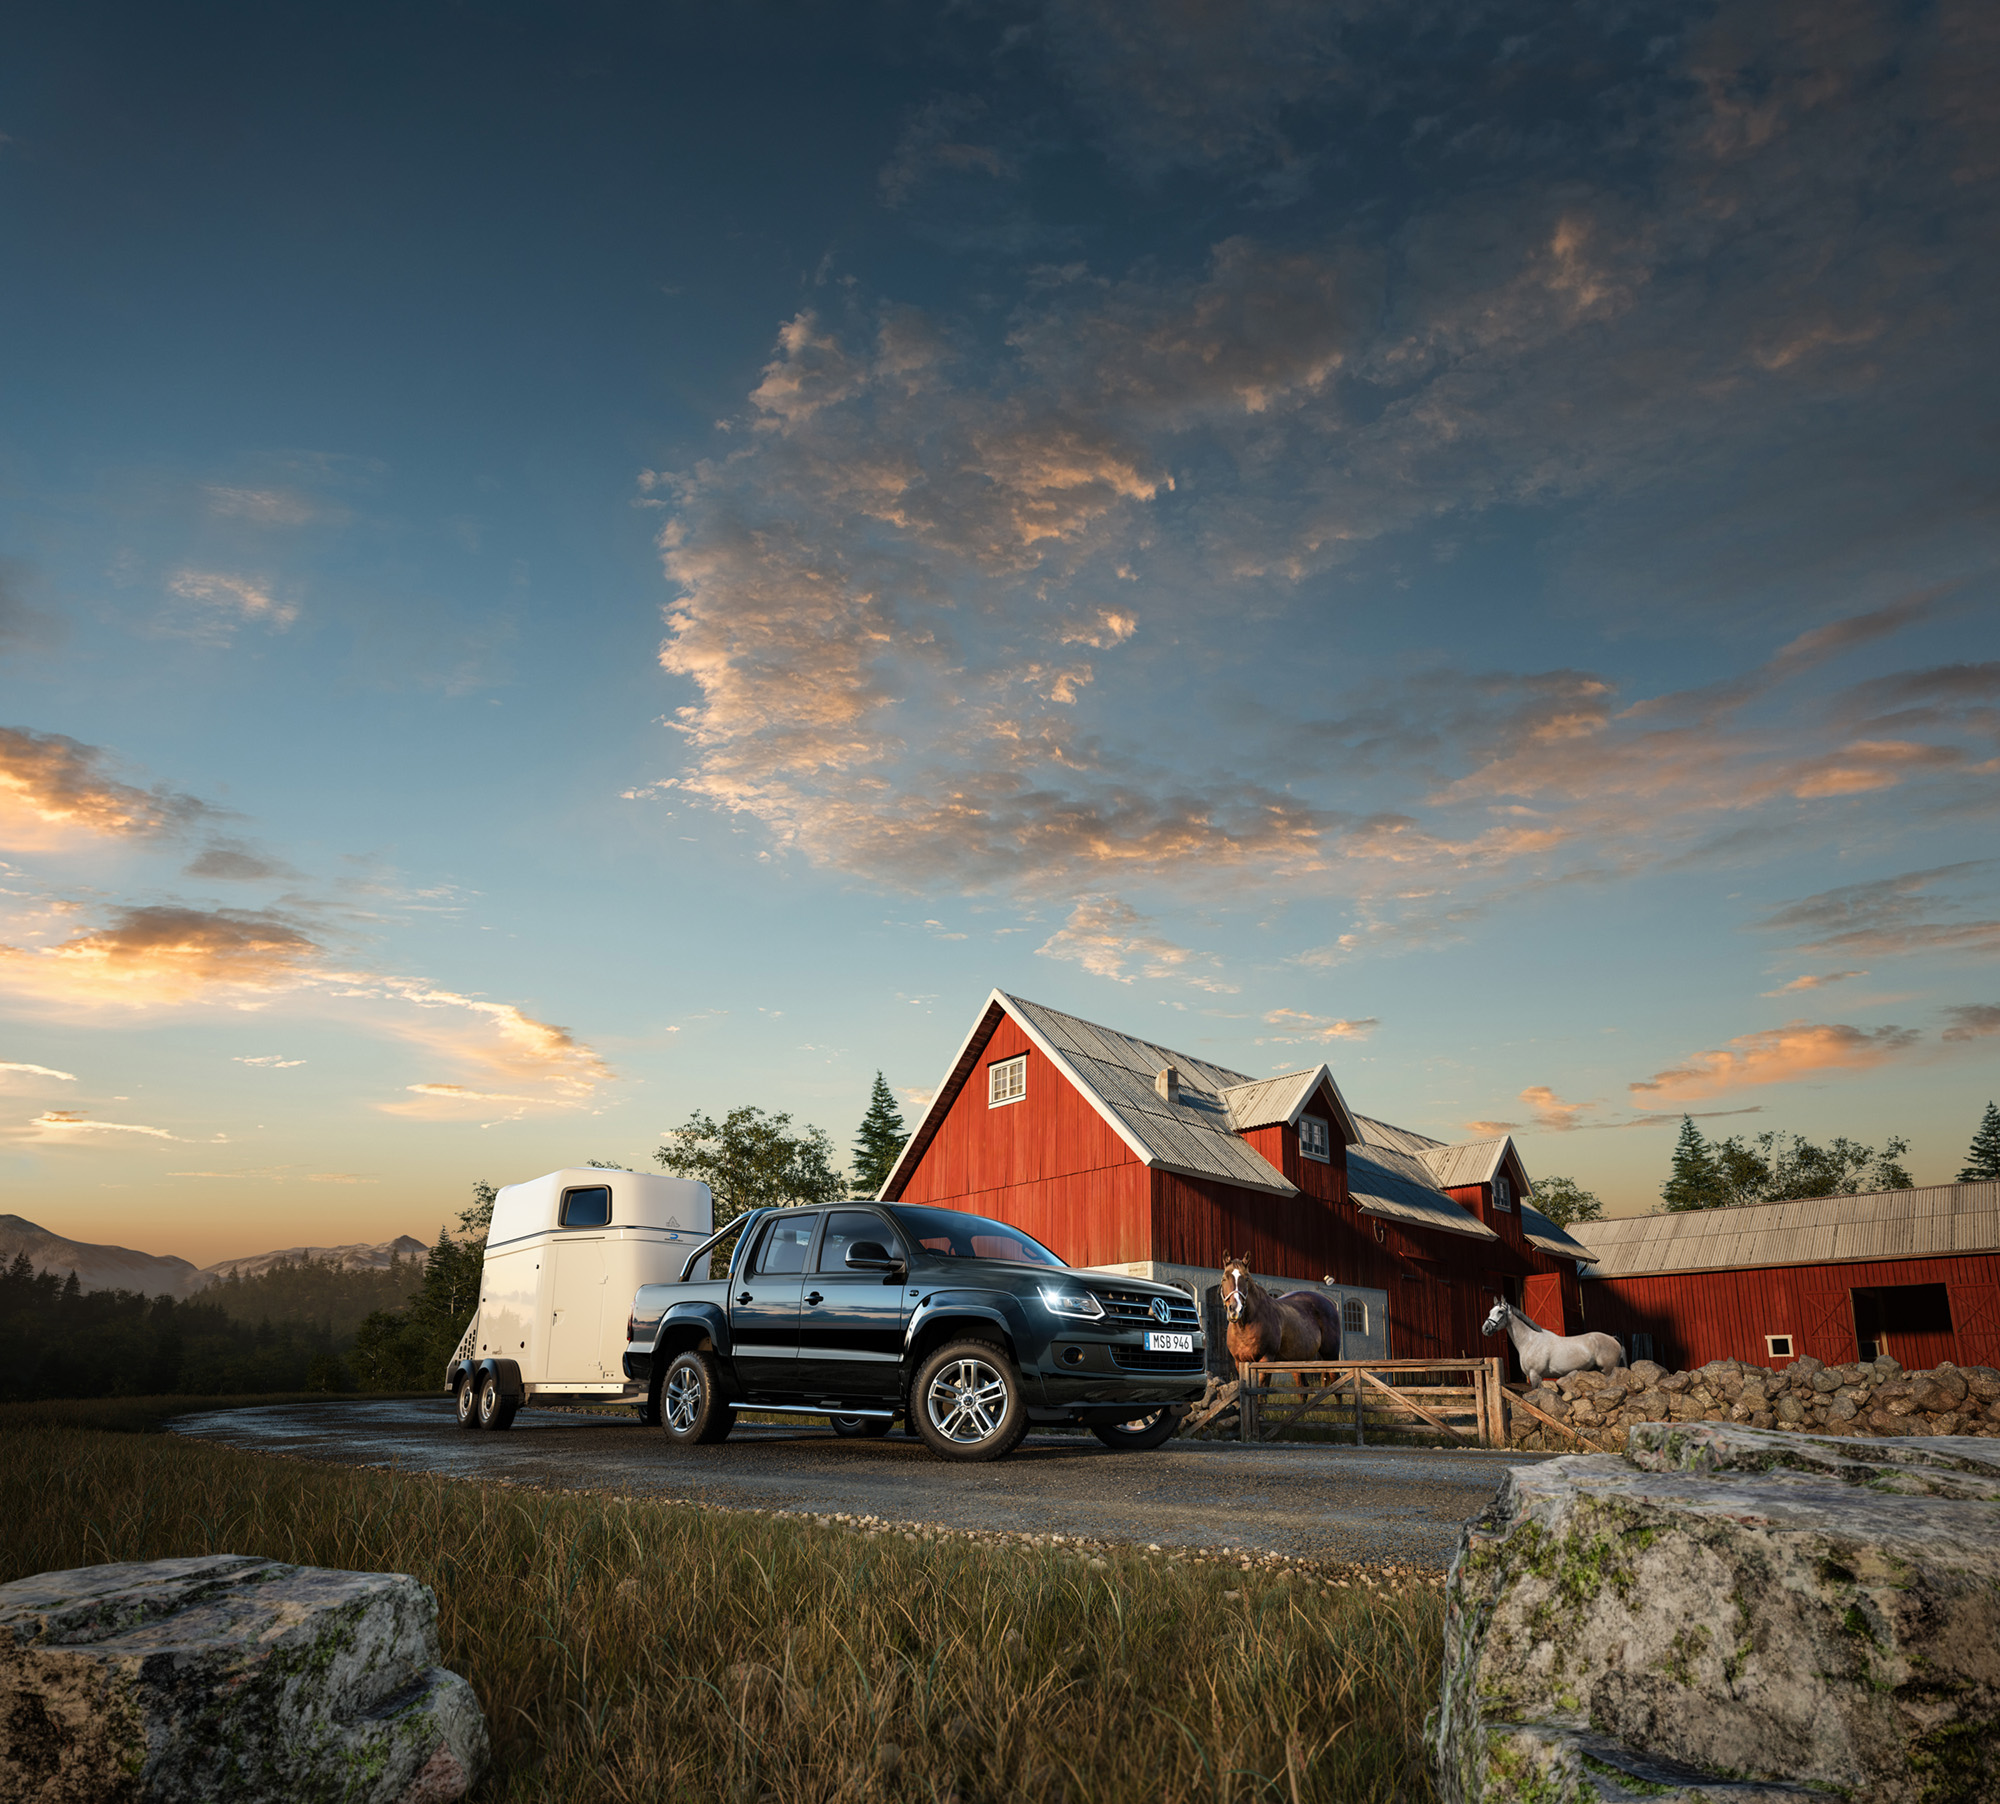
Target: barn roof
{"type": "Point", "coordinates": [1469, 1162]}
{"type": "Point", "coordinates": [1267, 1100]}
{"type": "Point", "coordinates": [1386, 1181]}
{"type": "Point", "coordinates": [1538, 1230]}
{"type": "Point", "coordinates": [1881, 1224]}
{"type": "Point", "coordinates": [1389, 1169]}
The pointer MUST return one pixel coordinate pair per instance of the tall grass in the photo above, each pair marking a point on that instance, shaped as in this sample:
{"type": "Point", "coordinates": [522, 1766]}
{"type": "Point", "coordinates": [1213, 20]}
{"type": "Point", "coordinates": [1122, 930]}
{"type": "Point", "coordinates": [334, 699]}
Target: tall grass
{"type": "Point", "coordinates": [631, 1649]}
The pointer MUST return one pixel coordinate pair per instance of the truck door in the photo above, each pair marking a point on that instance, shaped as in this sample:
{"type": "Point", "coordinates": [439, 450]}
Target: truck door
{"type": "Point", "coordinates": [851, 1323]}
{"type": "Point", "coordinates": [764, 1308]}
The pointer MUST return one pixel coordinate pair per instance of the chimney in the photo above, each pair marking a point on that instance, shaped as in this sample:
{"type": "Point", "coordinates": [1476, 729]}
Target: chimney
{"type": "Point", "coordinates": [1168, 1083]}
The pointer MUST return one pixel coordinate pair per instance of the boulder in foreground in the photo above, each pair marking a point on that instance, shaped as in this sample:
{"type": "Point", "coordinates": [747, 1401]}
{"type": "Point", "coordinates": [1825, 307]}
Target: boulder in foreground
{"type": "Point", "coordinates": [1730, 1613]}
{"type": "Point", "coordinates": [228, 1678]}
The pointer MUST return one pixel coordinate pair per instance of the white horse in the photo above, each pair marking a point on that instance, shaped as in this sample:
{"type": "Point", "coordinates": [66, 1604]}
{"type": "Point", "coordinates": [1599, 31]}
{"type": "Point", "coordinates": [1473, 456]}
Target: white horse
{"type": "Point", "coordinates": [1544, 1355]}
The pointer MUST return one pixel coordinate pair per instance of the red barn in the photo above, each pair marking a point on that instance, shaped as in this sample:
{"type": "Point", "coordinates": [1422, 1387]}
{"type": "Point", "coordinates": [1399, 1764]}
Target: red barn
{"type": "Point", "coordinates": [1911, 1273]}
{"type": "Point", "coordinates": [1114, 1151]}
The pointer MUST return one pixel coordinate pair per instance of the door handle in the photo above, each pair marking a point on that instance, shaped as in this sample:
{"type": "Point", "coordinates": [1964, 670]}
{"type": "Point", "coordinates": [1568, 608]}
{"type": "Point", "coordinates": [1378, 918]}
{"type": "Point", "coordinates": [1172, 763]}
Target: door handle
{"type": "Point", "coordinates": [743, 1296]}
{"type": "Point", "coordinates": [814, 1299]}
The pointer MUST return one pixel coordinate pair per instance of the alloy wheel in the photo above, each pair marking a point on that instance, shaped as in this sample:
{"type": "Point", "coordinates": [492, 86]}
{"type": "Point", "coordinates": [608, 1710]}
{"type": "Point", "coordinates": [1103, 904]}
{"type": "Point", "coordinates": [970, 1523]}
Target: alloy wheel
{"type": "Point", "coordinates": [681, 1402]}
{"type": "Point", "coordinates": [967, 1401]}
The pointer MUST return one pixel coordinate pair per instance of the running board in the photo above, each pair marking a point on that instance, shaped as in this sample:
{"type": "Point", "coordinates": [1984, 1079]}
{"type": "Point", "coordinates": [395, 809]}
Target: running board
{"type": "Point", "coordinates": [815, 1409]}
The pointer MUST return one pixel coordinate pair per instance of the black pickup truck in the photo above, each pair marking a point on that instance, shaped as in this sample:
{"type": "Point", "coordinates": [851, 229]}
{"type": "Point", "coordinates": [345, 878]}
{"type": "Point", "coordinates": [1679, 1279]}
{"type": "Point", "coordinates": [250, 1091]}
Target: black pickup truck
{"type": "Point", "coordinates": [967, 1328]}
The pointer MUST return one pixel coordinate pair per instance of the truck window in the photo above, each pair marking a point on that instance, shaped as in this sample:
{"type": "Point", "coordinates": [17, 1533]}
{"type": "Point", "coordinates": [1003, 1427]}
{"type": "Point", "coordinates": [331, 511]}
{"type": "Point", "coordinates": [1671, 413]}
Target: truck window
{"type": "Point", "coordinates": [951, 1235]}
{"type": "Point", "coordinates": [843, 1228]}
{"type": "Point", "coordinates": [784, 1250]}
{"type": "Point", "coordinates": [589, 1208]}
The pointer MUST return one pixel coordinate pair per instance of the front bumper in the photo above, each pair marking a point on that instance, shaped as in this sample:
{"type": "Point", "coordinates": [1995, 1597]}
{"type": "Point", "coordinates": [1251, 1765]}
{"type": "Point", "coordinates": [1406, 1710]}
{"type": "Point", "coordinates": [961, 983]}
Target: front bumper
{"type": "Point", "coordinates": [1082, 1379]}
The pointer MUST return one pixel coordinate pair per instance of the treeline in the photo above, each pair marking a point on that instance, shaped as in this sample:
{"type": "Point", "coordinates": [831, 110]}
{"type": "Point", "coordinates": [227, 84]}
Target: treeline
{"type": "Point", "coordinates": [290, 1328]}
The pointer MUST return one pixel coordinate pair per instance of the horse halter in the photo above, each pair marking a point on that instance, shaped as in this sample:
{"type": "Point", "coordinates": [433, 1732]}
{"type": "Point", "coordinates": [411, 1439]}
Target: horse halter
{"type": "Point", "coordinates": [1232, 1294]}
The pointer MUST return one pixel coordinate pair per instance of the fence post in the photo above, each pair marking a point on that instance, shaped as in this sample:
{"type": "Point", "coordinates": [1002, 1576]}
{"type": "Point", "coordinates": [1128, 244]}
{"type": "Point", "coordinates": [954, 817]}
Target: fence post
{"type": "Point", "coordinates": [1360, 1414]}
{"type": "Point", "coordinates": [1496, 1391]}
{"type": "Point", "coordinates": [1246, 1402]}
{"type": "Point", "coordinates": [1479, 1414]}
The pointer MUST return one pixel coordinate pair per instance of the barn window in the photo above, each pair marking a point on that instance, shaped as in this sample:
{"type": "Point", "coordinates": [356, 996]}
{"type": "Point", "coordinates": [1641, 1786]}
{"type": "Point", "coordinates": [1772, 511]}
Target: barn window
{"type": "Point", "coordinates": [1503, 1193]}
{"type": "Point", "coordinates": [1314, 1140]}
{"type": "Point", "coordinates": [1778, 1346]}
{"type": "Point", "coordinates": [1354, 1316]}
{"type": "Point", "coordinates": [1007, 1081]}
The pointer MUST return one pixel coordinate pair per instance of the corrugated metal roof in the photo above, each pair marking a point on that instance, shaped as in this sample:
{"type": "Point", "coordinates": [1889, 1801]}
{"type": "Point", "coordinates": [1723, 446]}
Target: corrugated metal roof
{"type": "Point", "coordinates": [1880, 1224]}
{"type": "Point", "coordinates": [1401, 1140]}
{"type": "Point", "coordinates": [1274, 1099]}
{"type": "Point", "coordinates": [1469, 1162]}
{"type": "Point", "coordinates": [1383, 1181]}
{"type": "Point", "coordinates": [1538, 1230]}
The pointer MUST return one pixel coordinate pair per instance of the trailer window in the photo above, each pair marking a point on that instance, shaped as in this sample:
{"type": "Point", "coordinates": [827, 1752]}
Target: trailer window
{"type": "Point", "coordinates": [784, 1250]}
{"type": "Point", "coordinates": [588, 1208]}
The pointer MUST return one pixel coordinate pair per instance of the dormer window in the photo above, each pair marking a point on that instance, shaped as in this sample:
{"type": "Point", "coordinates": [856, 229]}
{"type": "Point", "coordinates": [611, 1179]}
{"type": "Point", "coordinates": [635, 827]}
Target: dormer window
{"type": "Point", "coordinates": [1314, 1140]}
{"type": "Point", "coordinates": [1007, 1081]}
{"type": "Point", "coordinates": [1503, 1193]}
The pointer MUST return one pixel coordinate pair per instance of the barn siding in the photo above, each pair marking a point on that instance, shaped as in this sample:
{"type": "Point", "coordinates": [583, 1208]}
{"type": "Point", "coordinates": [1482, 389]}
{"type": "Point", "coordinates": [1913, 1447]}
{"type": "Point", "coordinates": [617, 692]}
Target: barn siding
{"type": "Point", "coordinates": [1048, 1164]}
{"type": "Point", "coordinates": [1694, 1317]}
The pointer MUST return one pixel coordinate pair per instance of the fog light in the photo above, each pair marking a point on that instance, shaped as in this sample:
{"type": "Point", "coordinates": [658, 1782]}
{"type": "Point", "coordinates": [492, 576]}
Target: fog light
{"type": "Point", "coordinates": [1072, 1356]}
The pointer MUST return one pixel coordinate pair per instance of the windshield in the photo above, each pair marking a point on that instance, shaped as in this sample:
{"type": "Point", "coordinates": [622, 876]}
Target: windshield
{"type": "Point", "coordinates": [946, 1234]}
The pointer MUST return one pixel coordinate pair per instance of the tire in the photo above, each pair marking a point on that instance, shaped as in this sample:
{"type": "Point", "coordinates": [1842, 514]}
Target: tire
{"type": "Point", "coordinates": [494, 1409]}
{"type": "Point", "coordinates": [861, 1428]}
{"type": "Point", "coordinates": [692, 1409]}
{"type": "Point", "coordinates": [465, 1401]}
{"type": "Point", "coordinates": [1141, 1436]}
{"type": "Point", "coordinates": [968, 1403]}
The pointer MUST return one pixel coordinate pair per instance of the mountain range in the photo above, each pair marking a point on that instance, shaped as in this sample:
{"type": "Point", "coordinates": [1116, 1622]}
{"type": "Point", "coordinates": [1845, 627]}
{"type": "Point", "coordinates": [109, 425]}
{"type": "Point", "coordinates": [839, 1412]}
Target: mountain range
{"type": "Point", "coordinates": [163, 1274]}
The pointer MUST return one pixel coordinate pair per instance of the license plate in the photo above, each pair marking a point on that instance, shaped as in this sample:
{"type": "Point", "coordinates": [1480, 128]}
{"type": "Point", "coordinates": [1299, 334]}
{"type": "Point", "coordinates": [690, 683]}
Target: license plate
{"type": "Point", "coordinates": [1169, 1343]}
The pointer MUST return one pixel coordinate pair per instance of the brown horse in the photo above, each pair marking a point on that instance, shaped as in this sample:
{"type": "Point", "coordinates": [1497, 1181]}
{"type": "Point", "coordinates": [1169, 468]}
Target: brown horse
{"type": "Point", "coordinates": [1302, 1324]}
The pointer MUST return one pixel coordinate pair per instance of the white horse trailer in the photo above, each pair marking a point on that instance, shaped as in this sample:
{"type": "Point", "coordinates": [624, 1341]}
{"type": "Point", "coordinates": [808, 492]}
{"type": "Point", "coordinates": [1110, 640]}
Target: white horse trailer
{"type": "Point", "coordinates": [564, 1255]}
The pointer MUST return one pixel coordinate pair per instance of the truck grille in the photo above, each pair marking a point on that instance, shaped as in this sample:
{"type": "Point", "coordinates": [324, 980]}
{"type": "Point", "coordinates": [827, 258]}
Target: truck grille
{"type": "Point", "coordinates": [1137, 1306]}
{"type": "Point", "coordinates": [1137, 1359]}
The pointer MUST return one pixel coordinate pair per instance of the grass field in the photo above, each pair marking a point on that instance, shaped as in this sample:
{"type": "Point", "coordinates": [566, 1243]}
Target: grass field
{"type": "Point", "coordinates": [640, 1650]}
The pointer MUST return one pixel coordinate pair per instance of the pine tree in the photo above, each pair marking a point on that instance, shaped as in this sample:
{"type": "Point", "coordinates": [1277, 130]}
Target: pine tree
{"type": "Point", "coordinates": [879, 1140]}
{"type": "Point", "coordinates": [1695, 1183]}
{"type": "Point", "coordinates": [1982, 1158]}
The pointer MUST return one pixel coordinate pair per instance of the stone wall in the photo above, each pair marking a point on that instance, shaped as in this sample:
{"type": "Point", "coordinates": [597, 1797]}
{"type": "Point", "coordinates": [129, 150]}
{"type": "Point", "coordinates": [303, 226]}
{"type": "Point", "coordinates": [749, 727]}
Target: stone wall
{"type": "Point", "coordinates": [1874, 1398]}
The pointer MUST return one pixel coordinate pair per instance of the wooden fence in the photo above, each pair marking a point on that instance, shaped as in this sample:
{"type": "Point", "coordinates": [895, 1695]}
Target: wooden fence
{"type": "Point", "coordinates": [1343, 1394]}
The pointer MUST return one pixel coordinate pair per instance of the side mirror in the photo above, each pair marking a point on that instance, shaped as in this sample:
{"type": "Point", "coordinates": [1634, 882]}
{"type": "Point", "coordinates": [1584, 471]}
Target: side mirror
{"type": "Point", "coordinates": [871, 1256]}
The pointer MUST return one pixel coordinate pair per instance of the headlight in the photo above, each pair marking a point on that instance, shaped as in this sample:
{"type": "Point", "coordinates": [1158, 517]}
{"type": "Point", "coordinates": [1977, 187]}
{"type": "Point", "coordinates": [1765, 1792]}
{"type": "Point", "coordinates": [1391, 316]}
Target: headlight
{"type": "Point", "coordinates": [1071, 1302]}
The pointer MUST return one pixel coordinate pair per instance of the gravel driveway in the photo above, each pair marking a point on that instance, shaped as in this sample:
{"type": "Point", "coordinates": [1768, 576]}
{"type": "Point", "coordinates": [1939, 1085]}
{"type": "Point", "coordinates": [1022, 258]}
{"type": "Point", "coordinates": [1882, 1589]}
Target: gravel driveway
{"type": "Point", "coordinates": [1372, 1505]}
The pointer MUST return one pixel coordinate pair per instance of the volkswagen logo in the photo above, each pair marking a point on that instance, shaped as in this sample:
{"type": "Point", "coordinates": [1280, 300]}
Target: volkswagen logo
{"type": "Point", "coordinates": [1161, 1312]}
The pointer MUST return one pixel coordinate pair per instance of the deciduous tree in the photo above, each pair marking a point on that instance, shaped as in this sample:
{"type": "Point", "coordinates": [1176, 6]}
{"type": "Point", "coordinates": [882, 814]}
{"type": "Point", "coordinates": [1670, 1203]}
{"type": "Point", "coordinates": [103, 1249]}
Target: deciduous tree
{"type": "Point", "coordinates": [750, 1159]}
{"type": "Point", "coordinates": [1564, 1200]}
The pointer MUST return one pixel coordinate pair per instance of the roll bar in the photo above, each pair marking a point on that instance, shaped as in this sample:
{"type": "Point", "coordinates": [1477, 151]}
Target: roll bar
{"type": "Point", "coordinates": [721, 1234]}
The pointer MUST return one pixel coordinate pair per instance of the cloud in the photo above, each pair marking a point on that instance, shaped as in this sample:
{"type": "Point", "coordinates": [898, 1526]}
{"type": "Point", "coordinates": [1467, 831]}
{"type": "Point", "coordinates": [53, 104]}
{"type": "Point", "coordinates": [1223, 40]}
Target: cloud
{"type": "Point", "coordinates": [1777, 1055]}
{"type": "Point", "coordinates": [53, 789]}
{"type": "Point", "coordinates": [1888, 917]}
{"type": "Point", "coordinates": [267, 507]}
{"type": "Point", "coordinates": [1812, 981]}
{"type": "Point", "coordinates": [60, 1124]}
{"type": "Point", "coordinates": [233, 862]}
{"type": "Point", "coordinates": [233, 599]}
{"type": "Point", "coordinates": [1973, 1020]}
{"type": "Point", "coordinates": [160, 958]}
{"type": "Point", "coordinates": [1551, 1112]}
{"type": "Point", "coordinates": [1105, 934]}
{"type": "Point", "coordinates": [68, 1077]}
{"type": "Point", "coordinates": [271, 1060]}
{"type": "Point", "coordinates": [1300, 1026]}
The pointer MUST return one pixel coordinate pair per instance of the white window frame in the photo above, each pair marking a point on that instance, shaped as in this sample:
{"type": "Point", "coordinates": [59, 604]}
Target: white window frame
{"type": "Point", "coordinates": [1314, 1128]}
{"type": "Point", "coordinates": [1007, 1081]}
{"type": "Point", "coordinates": [1771, 1346]}
{"type": "Point", "coordinates": [1503, 1193]}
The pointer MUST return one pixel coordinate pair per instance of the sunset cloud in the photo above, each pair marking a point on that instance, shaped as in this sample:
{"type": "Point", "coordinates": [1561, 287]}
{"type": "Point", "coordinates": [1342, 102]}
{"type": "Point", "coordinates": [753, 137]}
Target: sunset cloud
{"type": "Point", "coordinates": [1813, 981]}
{"type": "Point", "coordinates": [67, 1123]}
{"type": "Point", "coordinates": [1777, 1055]}
{"type": "Point", "coordinates": [67, 1077]}
{"type": "Point", "coordinates": [1973, 1020]}
{"type": "Point", "coordinates": [1105, 934]}
{"type": "Point", "coordinates": [1551, 1112]}
{"type": "Point", "coordinates": [54, 789]}
{"type": "Point", "coordinates": [1891, 916]}
{"type": "Point", "coordinates": [233, 599]}
{"type": "Point", "coordinates": [1299, 1026]}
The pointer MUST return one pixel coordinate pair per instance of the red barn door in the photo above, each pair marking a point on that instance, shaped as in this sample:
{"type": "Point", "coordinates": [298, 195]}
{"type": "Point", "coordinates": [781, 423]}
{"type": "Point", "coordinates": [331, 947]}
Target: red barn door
{"type": "Point", "coordinates": [1975, 1324]}
{"type": "Point", "coordinates": [1542, 1301]}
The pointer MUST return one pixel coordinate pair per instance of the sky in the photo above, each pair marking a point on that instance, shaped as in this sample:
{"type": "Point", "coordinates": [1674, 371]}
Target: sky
{"type": "Point", "coordinates": [566, 566]}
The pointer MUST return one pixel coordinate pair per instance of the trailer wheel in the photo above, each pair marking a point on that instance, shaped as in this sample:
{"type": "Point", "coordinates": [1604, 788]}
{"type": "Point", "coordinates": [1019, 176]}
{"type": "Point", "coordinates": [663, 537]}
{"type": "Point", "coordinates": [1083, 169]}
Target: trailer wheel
{"type": "Point", "coordinates": [854, 1428]}
{"type": "Point", "coordinates": [692, 1408]}
{"type": "Point", "coordinates": [969, 1404]}
{"type": "Point", "coordinates": [1141, 1436]}
{"type": "Point", "coordinates": [465, 1401]}
{"type": "Point", "coordinates": [495, 1408]}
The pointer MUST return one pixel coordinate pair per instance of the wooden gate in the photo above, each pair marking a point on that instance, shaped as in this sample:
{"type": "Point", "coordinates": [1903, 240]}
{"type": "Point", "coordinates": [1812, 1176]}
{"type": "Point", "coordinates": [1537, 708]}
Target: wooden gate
{"type": "Point", "coordinates": [1975, 1323]}
{"type": "Point", "coordinates": [1341, 1394]}
{"type": "Point", "coordinates": [1828, 1327]}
